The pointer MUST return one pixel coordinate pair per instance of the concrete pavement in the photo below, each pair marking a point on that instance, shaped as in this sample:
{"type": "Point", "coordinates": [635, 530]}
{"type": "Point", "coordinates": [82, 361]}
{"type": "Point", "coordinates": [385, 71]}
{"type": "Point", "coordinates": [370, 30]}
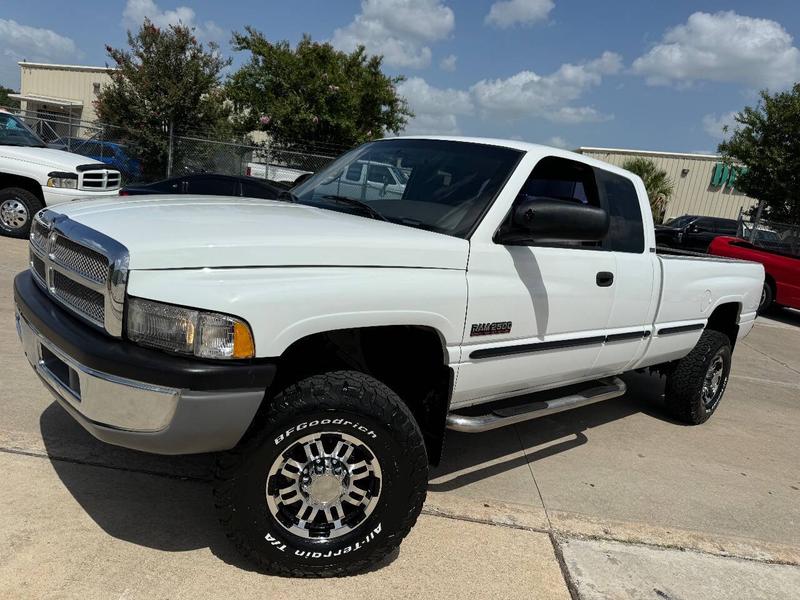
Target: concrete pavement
{"type": "Point", "coordinates": [82, 519]}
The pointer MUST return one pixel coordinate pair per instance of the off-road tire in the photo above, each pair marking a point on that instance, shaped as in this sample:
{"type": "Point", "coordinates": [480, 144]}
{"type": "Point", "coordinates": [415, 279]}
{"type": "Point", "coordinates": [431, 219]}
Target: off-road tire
{"type": "Point", "coordinates": [32, 205]}
{"type": "Point", "coordinates": [684, 387]}
{"type": "Point", "coordinates": [325, 402]}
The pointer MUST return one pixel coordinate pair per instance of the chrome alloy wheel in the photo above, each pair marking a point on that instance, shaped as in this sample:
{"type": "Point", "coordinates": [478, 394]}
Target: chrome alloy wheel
{"type": "Point", "coordinates": [324, 485]}
{"type": "Point", "coordinates": [13, 213]}
{"type": "Point", "coordinates": [712, 383]}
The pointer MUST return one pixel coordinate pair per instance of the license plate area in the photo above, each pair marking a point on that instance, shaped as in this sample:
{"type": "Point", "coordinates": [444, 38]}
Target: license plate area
{"type": "Point", "coordinates": [61, 372]}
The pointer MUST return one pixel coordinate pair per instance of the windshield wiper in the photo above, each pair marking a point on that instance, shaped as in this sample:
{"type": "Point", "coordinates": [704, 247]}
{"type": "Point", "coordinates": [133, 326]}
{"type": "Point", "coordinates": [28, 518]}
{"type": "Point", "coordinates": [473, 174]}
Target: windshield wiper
{"type": "Point", "coordinates": [357, 204]}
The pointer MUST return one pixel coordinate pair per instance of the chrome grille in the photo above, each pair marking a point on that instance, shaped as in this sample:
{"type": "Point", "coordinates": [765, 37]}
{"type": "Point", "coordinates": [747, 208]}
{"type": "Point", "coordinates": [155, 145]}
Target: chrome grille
{"type": "Point", "coordinates": [80, 259]}
{"type": "Point", "coordinates": [37, 264]}
{"type": "Point", "coordinates": [39, 234]}
{"type": "Point", "coordinates": [103, 179]}
{"type": "Point", "coordinates": [87, 302]}
{"type": "Point", "coordinates": [80, 268]}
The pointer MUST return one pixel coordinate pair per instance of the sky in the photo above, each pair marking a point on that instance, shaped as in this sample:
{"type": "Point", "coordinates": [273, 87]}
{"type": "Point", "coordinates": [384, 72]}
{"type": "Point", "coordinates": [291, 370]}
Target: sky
{"type": "Point", "coordinates": [644, 74]}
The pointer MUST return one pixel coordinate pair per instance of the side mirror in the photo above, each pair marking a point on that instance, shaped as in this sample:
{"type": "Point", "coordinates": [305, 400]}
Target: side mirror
{"type": "Point", "coordinates": [552, 220]}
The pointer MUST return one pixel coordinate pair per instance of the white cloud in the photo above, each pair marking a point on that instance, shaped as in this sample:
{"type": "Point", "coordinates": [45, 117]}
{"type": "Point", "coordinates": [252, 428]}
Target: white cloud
{"type": "Point", "coordinates": [34, 44]}
{"type": "Point", "coordinates": [136, 11]}
{"type": "Point", "coordinates": [400, 30]}
{"type": "Point", "coordinates": [715, 125]}
{"type": "Point", "coordinates": [524, 95]}
{"type": "Point", "coordinates": [523, 12]}
{"type": "Point", "coordinates": [724, 47]}
{"type": "Point", "coordinates": [436, 110]}
{"type": "Point", "coordinates": [448, 63]}
{"type": "Point", "coordinates": [559, 142]}
{"type": "Point", "coordinates": [528, 94]}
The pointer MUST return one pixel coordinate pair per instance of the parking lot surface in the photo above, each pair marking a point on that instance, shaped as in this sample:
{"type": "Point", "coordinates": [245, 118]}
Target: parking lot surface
{"type": "Point", "coordinates": [611, 500]}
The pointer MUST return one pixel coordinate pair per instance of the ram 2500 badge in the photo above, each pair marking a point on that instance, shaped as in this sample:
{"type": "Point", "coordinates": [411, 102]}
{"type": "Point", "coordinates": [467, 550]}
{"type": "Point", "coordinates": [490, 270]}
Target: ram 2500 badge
{"type": "Point", "coordinates": [323, 343]}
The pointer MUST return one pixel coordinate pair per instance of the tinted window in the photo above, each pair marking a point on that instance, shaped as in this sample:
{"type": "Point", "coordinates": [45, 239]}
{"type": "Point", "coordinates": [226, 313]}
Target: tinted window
{"type": "Point", "coordinates": [212, 186]}
{"type": "Point", "coordinates": [618, 196]}
{"type": "Point", "coordinates": [354, 172]}
{"type": "Point", "coordinates": [561, 179]}
{"type": "Point", "coordinates": [379, 174]}
{"type": "Point", "coordinates": [704, 224]}
{"type": "Point", "coordinates": [726, 226]}
{"type": "Point", "coordinates": [253, 190]}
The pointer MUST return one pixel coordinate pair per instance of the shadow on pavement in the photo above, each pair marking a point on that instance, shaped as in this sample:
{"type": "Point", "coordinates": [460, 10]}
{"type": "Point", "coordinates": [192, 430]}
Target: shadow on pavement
{"type": "Point", "coordinates": [172, 511]}
{"type": "Point", "coordinates": [544, 436]}
{"type": "Point", "coordinates": [788, 316]}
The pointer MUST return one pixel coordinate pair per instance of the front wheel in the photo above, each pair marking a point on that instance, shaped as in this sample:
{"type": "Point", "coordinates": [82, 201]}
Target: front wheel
{"type": "Point", "coordinates": [329, 483]}
{"type": "Point", "coordinates": [697, 382]}
{"type": "Point", "coordinates": [17, 207]}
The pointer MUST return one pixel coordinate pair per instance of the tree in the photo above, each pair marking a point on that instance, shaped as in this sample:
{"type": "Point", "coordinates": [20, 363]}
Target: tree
{"type": "Point", "coordinates": [656, 181]}
{"type": "Point", "coordinates": [313, 93]}
{"type": "Point", "coordinates": [766, 142]}
{"type": "Point", "coordinates": [5, 100]}
{"type": "Point", "coordinates": [165, 80]}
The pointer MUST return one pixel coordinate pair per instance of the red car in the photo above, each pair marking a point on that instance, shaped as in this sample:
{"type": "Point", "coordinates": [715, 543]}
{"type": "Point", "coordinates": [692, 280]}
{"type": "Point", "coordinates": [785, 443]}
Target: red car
{"type": "Point", "coordinates": [782, 278]}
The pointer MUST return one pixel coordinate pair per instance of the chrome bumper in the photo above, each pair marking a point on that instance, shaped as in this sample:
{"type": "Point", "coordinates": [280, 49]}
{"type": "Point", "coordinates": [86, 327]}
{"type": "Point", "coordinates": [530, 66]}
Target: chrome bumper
{"type": "Point", "coordinates": [135, 414]}
{"type": "Point", "coordinates": [99, 397]}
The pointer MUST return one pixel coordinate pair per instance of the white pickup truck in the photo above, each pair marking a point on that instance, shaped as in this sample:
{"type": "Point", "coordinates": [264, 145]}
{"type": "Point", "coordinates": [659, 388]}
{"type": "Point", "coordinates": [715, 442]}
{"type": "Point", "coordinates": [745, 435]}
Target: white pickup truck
{"type": "Point", "coordinates": [33, 175]}
{"type": "Point", "coordinates": [322, 343]}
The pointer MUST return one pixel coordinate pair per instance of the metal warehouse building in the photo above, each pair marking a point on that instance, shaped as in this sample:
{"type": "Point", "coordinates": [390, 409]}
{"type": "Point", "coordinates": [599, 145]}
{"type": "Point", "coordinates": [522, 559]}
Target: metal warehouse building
{"type": "Point", "coordinates": [64, 94]}
{"type": "Point", "coordinates": [703, 185]}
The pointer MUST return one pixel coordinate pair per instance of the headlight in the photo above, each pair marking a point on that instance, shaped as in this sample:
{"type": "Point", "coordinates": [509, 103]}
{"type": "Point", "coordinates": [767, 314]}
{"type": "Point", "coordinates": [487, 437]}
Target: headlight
{"type": "Point", "coordinates": [57, 179]}
{"type": "Point", "coordinates": [188, 331]}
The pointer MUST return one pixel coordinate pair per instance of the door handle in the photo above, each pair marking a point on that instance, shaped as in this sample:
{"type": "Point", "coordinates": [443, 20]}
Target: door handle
{"type": "Point", "coordinates": [604, 278]}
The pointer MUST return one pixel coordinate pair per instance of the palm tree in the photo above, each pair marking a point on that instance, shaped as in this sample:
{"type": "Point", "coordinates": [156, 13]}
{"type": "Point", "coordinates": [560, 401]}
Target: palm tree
{"type": "Point", "coordinates": [656, 181]}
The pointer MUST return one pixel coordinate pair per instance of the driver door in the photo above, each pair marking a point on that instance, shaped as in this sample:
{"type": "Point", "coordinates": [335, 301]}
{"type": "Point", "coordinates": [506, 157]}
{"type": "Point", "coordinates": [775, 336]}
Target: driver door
{"type": "Point", "coordinates": [536, 314]}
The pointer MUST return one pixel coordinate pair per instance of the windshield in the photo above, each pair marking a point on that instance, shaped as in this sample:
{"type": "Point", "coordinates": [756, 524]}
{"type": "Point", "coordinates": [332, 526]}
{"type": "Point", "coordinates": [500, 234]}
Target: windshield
{"type": "Point", "coordinates": [438, 185]}
{"type": "Point", "coordinates": [13, 132]}
{"type": "Point", "coordinates": [680, 221]}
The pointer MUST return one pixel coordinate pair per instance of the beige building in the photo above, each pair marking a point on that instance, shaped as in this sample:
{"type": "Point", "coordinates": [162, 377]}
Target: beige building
{"type": "Point", "coordinates": [62, 94]}
{"type": "Point", "coordinates": [703, 185]}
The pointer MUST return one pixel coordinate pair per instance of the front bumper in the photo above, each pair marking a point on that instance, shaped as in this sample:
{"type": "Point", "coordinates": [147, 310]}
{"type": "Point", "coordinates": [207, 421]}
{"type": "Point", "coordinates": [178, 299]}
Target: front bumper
{"type": "Point", "coordinates": [58, 195]}
{"type": "Point", "coordinates": [131, 396]}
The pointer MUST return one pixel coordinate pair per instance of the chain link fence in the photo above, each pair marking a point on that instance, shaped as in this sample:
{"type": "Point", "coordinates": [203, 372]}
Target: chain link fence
{"type": "Point", "coordinates": [770, 235]}
{"type": "Point", "coordinates": [185, 154]}
{"type": "Point", "coordinates": [198, 155]}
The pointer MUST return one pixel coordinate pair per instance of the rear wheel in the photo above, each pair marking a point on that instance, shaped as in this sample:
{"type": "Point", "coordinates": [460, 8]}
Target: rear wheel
{"type": "Point", "coordinates": [17, 207]}
{"type": "Point", "coordinates": [331, 481]}
{"type": "Point", "coordinates": [767, 298]}
{"type": "Point", "coordinates": [697, 382]}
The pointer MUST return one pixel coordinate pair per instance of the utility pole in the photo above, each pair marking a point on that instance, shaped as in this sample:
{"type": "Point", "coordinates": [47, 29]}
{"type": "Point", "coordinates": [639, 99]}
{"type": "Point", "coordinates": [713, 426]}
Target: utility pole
{"type": "Point", "coordinates": [169, 151]}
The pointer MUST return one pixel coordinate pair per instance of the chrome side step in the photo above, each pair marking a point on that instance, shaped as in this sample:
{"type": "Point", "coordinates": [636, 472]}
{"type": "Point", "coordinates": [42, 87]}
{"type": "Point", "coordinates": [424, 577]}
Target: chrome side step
{"type": "Point", "coordinates": [604, 389]}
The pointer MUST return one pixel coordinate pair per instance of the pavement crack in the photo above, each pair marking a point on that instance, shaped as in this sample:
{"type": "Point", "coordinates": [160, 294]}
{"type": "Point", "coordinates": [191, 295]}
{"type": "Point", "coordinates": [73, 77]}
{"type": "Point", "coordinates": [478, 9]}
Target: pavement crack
{"type": "Point", "coordinates": [762, 353]}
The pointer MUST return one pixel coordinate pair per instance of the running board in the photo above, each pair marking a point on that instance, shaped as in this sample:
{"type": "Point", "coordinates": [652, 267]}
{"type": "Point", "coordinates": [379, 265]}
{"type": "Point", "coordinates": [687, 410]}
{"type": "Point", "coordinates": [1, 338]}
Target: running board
{"type": "Point", "coordinates": [603, 389]}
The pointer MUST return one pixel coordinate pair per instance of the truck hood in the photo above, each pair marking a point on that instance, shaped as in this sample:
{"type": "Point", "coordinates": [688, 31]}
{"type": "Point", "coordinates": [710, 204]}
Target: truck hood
{"type": "Point", "coordinates": [171, 232]}
{"type": "Point", "coordinates": [45, 157]}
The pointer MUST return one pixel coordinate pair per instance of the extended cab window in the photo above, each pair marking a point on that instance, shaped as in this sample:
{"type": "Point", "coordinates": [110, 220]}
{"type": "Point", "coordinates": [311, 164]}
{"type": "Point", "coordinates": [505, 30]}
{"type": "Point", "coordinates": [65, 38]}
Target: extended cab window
{"type": "Point", "coordinates": [618, 196]}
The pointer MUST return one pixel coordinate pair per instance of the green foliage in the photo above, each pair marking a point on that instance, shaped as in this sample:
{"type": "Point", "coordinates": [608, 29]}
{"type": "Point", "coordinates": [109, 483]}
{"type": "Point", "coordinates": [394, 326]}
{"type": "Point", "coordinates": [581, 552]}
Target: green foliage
{"type": "Point", "coordinates": [313, 93]}
{"type": "Point", "coordinates": [767, 142]}
{"type": "Point", "coordinates": [656, 181]}
{"type": "Point", "coordinates": [165, 77]}
{"type": "Point", "coordinates": [5, 100]}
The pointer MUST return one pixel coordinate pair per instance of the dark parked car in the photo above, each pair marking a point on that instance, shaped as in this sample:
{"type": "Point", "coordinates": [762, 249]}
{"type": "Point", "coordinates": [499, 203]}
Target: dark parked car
{"type": "Point", "coordinates": [692, 232]}
{"type": "Point", "coordinates": [207, 184]}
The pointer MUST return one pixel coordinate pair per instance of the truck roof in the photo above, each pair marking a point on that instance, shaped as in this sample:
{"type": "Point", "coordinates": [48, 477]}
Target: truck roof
{"type": "Point", "coordinates": [524, 147]}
